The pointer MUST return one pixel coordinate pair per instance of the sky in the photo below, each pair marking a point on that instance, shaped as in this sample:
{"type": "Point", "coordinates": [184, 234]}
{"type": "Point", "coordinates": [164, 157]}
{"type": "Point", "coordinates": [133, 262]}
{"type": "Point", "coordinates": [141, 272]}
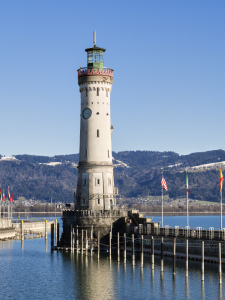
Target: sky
{"type": "Point", "coordinates": [168, 59]}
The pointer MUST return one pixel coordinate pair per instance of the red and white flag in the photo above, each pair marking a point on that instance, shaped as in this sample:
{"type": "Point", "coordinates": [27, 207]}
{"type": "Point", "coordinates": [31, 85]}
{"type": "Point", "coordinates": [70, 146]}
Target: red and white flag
{"type": "Point", "coordinates": [163, 183]}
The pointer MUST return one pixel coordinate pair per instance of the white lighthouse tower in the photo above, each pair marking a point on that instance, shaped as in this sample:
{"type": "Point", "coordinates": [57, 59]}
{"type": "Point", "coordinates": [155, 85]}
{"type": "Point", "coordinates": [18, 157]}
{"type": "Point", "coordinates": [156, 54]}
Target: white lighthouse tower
{"type": "Point", "coordinates": [95, 187]}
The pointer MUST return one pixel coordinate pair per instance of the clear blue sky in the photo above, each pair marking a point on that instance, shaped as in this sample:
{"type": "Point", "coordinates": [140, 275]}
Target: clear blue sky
{"type": "Point", "coordinates": [169, 73]}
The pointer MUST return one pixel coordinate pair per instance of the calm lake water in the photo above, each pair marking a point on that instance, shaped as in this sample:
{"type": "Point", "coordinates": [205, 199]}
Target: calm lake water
{"type": "Point", "coordinates": [29, 270]}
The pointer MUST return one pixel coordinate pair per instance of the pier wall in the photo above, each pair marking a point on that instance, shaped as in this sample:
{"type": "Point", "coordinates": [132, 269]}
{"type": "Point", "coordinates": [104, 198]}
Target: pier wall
{"type": "Point", "coordinates": [5, 223]}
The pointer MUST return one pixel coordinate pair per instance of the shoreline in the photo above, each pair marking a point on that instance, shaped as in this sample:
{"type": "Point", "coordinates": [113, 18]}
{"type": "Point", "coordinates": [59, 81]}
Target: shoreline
{"type": "Point", "coordinates": [181, 213]}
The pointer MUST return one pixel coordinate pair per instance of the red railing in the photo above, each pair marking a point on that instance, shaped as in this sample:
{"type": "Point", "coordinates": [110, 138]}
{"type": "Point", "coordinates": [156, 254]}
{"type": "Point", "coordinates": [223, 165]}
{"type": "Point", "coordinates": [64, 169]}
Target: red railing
{"type": "Point", "coordinates": [95, 71]}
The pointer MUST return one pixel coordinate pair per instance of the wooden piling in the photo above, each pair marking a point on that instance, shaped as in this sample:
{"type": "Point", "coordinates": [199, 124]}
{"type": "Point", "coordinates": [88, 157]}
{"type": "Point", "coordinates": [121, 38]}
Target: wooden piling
{"type": "Point", "coordinates": [110, 237]}
{"type": "Point", "coordinates": [71, 237]}
{"type": "Point", "coordinates": [91, 240]}
{"type": "Point", "coordinates": [186, 241]}
{"type": "Point", "coordinates": [203, 260]}
{"type": "Point", "coordinates": [133, 251]}
{"type": "Point", "coordinates": [174, 256]}
{"type": "Point", "coordinates": [162, 244]}
{"type": "Point", "coordinates": [52, 235]}
{"type": "Point", "coordinates": [86, 239]}
{"type": "Point", "coordinates": [220, 264]}
{"type": "Point", "coordinates": [125, 247]}
{"type": "Point", "coordinates": [98, 243]}
{"type": "Point", "coordinates": [82, 240]}
{"type": "Point", "coordinates": [142, 251]}
{"type": "Point", "coordinates": [153, 259]}
{"type": "Point", "coordinates": [46, 235]}
{"type": "Point", "coordinates": [77, 239]}
{"type": "Point", "coordinates": [56, 230]}
{"type": "Point", "coordinates": [22, 233]}
{"type": "Point", "coordinates": [118, 245]}
{"type": "Point", "coordinates": [57, 234]}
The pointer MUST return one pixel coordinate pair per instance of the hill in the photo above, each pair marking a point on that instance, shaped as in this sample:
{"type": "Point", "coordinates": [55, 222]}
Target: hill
{"type": "Point", "coordinates": [137, 174]}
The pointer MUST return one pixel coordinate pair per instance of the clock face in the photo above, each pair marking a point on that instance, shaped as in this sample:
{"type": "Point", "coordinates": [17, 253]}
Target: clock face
{"type": "Point", "coordinates": [86, 113]}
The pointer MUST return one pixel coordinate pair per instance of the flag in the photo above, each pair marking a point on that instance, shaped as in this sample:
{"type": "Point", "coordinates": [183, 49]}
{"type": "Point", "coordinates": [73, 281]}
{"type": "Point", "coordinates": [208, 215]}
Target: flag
{"type": "Point", "coordinates": [187, 182]}
{"type": "Point", "coordinates": [3, 197]}
{"type": "Point", "coordinates": [11, 196]}
{"type": "Point", "coordinates": [221, 179]}
{"type": "Point", "coordinates": [163, 183]}
{"type": "Point", "coordinates": [1, 194]}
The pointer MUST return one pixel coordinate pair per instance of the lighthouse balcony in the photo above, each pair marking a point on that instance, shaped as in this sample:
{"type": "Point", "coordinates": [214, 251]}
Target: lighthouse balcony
{"type": "Point", "coordinates": [95, 71]}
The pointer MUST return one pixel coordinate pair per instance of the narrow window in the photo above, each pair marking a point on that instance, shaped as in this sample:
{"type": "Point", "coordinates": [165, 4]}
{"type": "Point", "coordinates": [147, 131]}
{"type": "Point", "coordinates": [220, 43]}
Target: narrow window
{"type": "Point", "coordinates": [97, 91]}
{"type": "Point", "coordinates": [107, 93]}
{"type": "Point", "coordinates": [85, 181]}
{"type": "Point", "coordinates": [110, 182]}
{"type": "Point", "coordinates": [98, 201]}
{"type": "Point", "coordinates": [98, 181]}
{"type": "Point", "coordinates": [108, 153]}
{"type": "Point", "coordinates": [97, 132]}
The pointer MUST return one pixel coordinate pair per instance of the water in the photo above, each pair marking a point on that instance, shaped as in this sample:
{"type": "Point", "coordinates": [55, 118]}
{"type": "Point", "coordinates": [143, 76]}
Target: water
{"type": "Point", "coordinates": [29, 270]}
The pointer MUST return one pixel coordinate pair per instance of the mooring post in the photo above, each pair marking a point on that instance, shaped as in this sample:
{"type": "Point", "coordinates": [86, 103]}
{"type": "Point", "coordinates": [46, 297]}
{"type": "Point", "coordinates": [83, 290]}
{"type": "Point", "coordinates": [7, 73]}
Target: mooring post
{"type": "Point", "coordinates": [82, 239]}
{"type": "Point", "coordinates": [142, 251]}
{"type": "Point", "coordinates": [153, 262]}
{"type": "Point", "coordinates": [22, 233]}
{"type": "Point", "coordinates": [77, 240]}
{"type": "Point", "coordinates": [133, 250]}
{"type": "Point", "coordinates": [57, 234]}
{"type": "Point", "coordinates": [118, 245]}
{"type": "Point", "coordinates": [98, 243]}
{"type": "Point", "coordinates": [46, 235]}
{"type": "Point", "coordinates": [91, 239]}
{"type": "Point", "coordinates": [71, 237]}
{"type": "Point", "coordinates": [52, 236]}
{"type": "Point", "coordinates": [220, 265]}
{"type": "Point", "coordinates": [203, 260]}
{"type": "Point", "coordinates": [162, 254]}
{"type": "Point", "coordinates": [86, 239]}
{"type": "Point", "coordinates": [186, 257]}
{"type": "Point", "coordinates": [174, 256]}
{"type": "Point", "coordinates": [110, 237]}
{"type": "Point", "coordinates": [125, 247]}
{"type": "Point", "coordinates": [55, 229]}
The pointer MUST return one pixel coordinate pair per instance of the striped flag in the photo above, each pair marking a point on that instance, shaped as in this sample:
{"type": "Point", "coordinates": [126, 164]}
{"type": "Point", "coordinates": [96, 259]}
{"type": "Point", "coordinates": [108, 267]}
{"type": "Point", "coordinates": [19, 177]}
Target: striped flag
{"type": "Point", "coordinates": [163, 183]}
{"type": "Point", "coordinates": [3, 197]}
{"type": "Point", "coordinates": [187, 182]}
{"type": "Point", "coordinates": [11, 196]}
{"type": "Point", "coordinates": [221, 179]}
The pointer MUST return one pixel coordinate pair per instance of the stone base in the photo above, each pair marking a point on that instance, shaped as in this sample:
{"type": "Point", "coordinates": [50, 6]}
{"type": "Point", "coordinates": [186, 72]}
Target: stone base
{"type": "Point", "coordinates": [99, 221]}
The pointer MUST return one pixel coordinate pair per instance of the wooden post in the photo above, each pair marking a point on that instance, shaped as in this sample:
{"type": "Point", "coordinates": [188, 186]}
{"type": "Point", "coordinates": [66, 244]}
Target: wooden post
{"type": "Point", "coordinates": [71, 237]}
{"type": "Point", "coordinates": [142, 251]}
{"type": "Point", "coordinates": [174, 256]}
{"type": "Point", "coordinates": [82, 240]}
{"type": "Point", "coordinates": [133, 251]}
{"type": "Point", "coordinates": [55, 229]}
{"type": "Point", "coordinates": [125, 247]}
{"type": "Point", "coordinates": [52, 236]}
{"type": "Point", "coordinates": [220, 265]}
{"type": "Point", "coordinates": [186, 258]}
{"type": "Point", "coordinates": [46, 234]}
{"type": "Point", "coordinates": [86, 239]}
{"type": "Point", "coordinates": [77, 240]}
{"type": "Point", "coordinates": [91, 239]}
{"type": "Point", "coordinates": [203, 260]}
{"type": "Point", "coordinates": [98, 243]}
{"type": "Point", "coordinates": [22, 233]}
{"type": "Point", "coordinates": [110, 234]}
{"type": "Point", "coordinates": [57, 234]}
{"type": "Point", "coordinates": [162, 254]}
{"type": "Point", "coordinates": [153, 260]}
{"type": "Point", "coordinates": [118, 245]}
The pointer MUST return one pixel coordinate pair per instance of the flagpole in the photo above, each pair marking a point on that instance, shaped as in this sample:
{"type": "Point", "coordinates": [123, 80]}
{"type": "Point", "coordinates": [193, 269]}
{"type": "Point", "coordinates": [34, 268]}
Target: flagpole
{"type": "Point", "coordinates": [187, 211]}
{"type": "Point", "coordinates": [221, 210]}
{"type": "Point", "coordinates": [162, 209]}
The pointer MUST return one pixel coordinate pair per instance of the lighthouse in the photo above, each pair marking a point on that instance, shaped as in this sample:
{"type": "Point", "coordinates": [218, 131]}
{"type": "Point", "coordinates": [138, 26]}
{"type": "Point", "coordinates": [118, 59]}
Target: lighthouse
{"type": "Point", "coordinates": [95, 186]}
